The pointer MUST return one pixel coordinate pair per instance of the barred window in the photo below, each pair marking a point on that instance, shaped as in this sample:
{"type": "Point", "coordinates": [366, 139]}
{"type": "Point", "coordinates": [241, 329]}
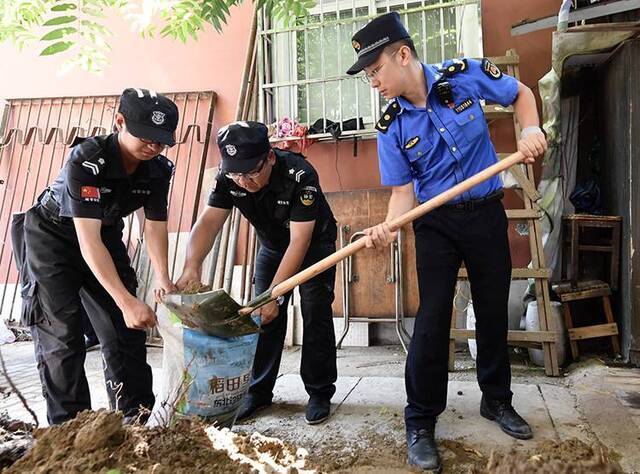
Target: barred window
{"type": "Point", "coordinates": [302, 66]}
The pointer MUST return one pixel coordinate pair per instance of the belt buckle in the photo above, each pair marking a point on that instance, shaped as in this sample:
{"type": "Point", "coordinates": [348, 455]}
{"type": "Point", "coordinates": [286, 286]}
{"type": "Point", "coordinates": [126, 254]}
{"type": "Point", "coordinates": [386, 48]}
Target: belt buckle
{"type": "Point", "coordinates": [468, 206]}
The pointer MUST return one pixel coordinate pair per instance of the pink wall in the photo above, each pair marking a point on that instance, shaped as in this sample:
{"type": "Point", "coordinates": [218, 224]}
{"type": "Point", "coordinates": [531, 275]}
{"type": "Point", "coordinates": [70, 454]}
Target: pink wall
{"type": "Point", "coordinates": [215, 62]}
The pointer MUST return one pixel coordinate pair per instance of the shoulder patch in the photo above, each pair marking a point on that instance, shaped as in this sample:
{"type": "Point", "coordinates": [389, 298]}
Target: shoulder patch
{"type": "Point", "coordinates": [491, 69]}
{"type": "Point", "coordinates": [388, 116]}
{"type": "Point", "coordinates": [454, 67]}
{"type": "Point", "coordinates": [308, 195]}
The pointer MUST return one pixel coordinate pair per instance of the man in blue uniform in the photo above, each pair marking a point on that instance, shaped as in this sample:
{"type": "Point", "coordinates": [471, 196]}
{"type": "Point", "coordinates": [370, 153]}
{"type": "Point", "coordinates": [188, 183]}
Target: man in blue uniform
{"type": "Point", "coordinates": [279, 193]}
{"type": "Point", "coordinates": [70, 253]}
{"type": "Point", "coordinates": [432, 136]}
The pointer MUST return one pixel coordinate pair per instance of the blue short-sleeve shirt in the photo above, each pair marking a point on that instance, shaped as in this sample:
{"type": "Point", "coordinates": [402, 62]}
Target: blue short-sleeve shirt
{"type": "Point", "coordinates": [440, 145]}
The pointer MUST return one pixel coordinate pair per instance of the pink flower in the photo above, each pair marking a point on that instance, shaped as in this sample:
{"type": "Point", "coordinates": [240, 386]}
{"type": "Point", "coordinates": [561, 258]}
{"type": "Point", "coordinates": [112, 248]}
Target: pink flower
{"type": "Point", "coordinates": [286, 127]}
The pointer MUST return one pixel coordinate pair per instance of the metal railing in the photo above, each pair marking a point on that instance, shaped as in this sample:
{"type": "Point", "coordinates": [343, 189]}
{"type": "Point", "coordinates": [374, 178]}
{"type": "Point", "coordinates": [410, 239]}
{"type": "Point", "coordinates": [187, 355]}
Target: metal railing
{"type": "Point", "coordinates": [34, 146]}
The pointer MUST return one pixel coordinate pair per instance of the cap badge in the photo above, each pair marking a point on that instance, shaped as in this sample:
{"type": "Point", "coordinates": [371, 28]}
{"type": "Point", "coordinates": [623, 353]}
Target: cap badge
{"type": "Point", "coordinates": [355, 45]}
{"type": "Point", "coordinates": [157, 117]}
{"type": "Point", "coordinates": [231, 150]}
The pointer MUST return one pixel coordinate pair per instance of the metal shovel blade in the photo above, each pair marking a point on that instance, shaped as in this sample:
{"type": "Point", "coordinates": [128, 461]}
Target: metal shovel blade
{"type": "Point", "coordinates": [213, 312]}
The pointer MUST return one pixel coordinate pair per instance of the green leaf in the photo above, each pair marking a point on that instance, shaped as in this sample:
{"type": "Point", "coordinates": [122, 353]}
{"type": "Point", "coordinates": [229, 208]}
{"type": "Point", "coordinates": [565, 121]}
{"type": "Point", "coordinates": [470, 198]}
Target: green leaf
{"type": "Point", "coordinates": [63, 7]}
{"type": "Point", "coordinates": [61, 20]}
{"type": "Point", "coordinates": [55, 48]}
{"type": "Point", "coordinates": [58, 33]}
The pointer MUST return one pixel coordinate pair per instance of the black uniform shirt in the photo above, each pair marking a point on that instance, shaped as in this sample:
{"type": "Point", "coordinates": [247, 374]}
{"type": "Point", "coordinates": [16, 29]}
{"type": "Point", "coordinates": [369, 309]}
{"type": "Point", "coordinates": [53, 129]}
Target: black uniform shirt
{"type": "Point", "coordinates": [94, 183]}
{"type": "Point", "coordinates": [292, 194]}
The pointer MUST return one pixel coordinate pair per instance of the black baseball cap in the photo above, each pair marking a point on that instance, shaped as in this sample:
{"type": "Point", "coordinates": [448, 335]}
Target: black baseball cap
{"type": "Point", "coordinates": [149, 115]}
{"type": "Point", "coordinates": [243, 145]}
{"type": "Point", "coordinates": [369, 42]}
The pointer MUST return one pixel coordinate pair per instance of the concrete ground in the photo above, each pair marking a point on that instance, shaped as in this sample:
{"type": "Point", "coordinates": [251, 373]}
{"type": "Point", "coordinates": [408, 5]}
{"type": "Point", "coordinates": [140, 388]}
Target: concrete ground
{"type": "Point", "coordinates": [594, 402]}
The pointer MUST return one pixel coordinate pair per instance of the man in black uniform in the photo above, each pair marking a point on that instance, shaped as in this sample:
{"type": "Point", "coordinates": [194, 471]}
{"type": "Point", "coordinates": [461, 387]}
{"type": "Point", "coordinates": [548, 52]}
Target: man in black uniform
{"type": "Point", "coordinates": [73, 255]}
{"type": "Point", "coordinates": [279, 193]}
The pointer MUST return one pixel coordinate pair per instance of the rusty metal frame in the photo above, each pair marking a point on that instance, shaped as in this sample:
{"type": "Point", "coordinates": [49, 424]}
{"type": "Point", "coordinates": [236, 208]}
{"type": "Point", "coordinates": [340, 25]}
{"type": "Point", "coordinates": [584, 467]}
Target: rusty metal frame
{"type": "Point", "coordinates": [33, 147]}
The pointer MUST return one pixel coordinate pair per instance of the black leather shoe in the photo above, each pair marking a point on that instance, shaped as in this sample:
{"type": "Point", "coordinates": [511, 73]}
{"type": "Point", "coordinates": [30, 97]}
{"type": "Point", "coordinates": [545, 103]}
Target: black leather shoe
{"type": "Point", "coordinates": [318, 410]}
{"type": "Point", "coordinates": [503, 413]}
{"type": "Point", "coordinates": [422, 449]}
{"type": "Point", "coordinates": [251, 406]}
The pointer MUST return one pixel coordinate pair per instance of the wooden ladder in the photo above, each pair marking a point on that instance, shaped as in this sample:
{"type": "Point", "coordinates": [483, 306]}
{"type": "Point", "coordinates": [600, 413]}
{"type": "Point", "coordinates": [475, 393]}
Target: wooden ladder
{"type": "Point", "coordinates": [531, 214]}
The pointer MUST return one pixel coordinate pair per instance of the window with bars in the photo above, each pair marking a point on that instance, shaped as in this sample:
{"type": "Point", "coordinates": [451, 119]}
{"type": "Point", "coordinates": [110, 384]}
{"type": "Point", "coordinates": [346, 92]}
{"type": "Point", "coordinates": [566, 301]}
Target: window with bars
{"type": "Point", "coordinates": [302, 67]}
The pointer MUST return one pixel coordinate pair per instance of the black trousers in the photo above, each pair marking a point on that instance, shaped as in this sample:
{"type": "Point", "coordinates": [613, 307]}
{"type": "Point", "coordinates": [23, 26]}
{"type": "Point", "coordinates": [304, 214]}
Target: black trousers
{"type": "Point", "coordinates": [444, 238]}
{"type": "Point", "coordinates": [61, 284]}
{"type": "Point", "coordinates": [318, 364]}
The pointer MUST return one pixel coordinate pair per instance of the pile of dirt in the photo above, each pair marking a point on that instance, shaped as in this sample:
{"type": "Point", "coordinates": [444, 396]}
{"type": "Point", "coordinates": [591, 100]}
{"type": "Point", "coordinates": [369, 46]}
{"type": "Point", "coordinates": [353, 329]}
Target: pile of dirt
{"type": "Point", "coordinates": [562, 457]}
{"type": "Point", "coordinates": [371, 453]}
{"type": "Point", "coordinates": [379, 454]}
{"type": "Point", "coordinates": [98, 442]}
{"type": "Point", "coordinates": [195, 287]}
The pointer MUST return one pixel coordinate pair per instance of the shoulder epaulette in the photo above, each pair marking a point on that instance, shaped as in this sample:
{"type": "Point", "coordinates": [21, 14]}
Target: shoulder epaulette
{"type": "Point", "coordinates": [388, 116]}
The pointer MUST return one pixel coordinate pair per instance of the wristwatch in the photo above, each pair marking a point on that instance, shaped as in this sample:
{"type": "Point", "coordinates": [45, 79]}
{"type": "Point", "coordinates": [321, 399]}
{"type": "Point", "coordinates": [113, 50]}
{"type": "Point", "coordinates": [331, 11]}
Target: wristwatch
{"type": "Point", "coordinates": [280, 300]}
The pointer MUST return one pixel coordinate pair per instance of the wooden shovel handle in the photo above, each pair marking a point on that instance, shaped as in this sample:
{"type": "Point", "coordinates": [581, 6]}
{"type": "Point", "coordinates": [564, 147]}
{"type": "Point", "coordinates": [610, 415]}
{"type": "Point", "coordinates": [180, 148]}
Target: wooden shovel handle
{"type": "Point", "coordinates": [443, 198]}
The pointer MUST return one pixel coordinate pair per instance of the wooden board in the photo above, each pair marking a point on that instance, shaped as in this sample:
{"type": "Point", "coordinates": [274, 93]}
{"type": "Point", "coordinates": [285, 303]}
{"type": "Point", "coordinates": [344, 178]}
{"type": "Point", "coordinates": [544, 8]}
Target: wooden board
{"type": "Point", "coordinates": [513, 336]}
{"type": "Point", "coordinates": [589, 332]}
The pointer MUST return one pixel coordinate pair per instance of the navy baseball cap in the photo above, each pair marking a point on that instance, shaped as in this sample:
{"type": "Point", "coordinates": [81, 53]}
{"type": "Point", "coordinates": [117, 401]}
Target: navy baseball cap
{"type": "Point", "coordinates": [149, 115]}
{"type": "Point", "coordinates": [369, 42]}
{"type": "Point", "coordinates": [243, 145]}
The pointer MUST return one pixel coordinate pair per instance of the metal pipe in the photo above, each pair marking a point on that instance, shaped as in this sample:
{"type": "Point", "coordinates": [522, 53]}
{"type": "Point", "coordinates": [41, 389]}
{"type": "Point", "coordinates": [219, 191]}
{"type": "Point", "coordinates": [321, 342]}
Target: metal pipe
{"type": "Point", "coordinates": [184, 186]}
{"type": "Point", "coordinates": [345, 291]}
{"type": "Point", "coordinates": [242, 96]}
{"type": "Point", "coordinates": [213, 257]}
{"type": "Point", "coordinates": [203, 156]}
{"type": "Point", "coordinates": [400, 329]}
{"type": "Point", "coordinates": [222, 256]}
{"type": "Point", "coordinates": [231, 254]}
{"type": "Point", "coordinates": [250, 262]}
{"type": "Point", "coordinates": [245, 258]}
{"type": "Point", "coordinates": [6, 189]}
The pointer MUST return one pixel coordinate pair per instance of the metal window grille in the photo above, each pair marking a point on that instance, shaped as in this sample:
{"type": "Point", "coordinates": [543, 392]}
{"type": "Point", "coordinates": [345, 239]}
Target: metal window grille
{"type": "Point", "coordinates": [302, 67]}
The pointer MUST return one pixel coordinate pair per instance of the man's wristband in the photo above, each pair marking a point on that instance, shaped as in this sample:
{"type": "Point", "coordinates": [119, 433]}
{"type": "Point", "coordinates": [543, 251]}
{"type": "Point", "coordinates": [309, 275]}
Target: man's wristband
{"type": "Point", "coordinates": [529, 131]}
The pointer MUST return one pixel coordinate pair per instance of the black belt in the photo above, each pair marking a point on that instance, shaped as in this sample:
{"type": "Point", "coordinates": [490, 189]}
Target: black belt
{"type": "Point", "coordinates": [49, 203]}
{"type": "Point", "coordinates": [476, 203]}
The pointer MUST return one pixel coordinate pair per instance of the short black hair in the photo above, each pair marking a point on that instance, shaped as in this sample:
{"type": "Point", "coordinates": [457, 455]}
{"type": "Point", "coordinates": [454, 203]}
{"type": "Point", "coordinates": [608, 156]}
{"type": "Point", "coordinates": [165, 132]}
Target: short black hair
{"type": "Point", "coordinates": [399, 44]}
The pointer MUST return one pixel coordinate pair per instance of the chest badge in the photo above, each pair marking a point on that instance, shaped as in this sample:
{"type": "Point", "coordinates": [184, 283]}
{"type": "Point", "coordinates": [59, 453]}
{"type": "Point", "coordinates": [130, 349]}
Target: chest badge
{"type": "Point", "coordinates": [411, 143]}
{"type": "Point", "coordinates": [464, 105]}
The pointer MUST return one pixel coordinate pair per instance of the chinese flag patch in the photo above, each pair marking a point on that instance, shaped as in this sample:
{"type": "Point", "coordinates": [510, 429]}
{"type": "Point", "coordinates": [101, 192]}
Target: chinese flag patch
{"type": "Point", "coordinates": [90, 193]}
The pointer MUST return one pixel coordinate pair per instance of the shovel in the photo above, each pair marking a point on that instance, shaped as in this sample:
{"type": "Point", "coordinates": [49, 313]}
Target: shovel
{"type": "Point", "coordinates": [219, 315]}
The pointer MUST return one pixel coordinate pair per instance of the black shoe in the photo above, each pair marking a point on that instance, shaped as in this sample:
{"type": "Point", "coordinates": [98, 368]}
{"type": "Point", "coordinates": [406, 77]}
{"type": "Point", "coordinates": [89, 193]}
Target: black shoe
{"type": "Point", "coordinates": [503, 413]}
{"type": "Point", "coordinates": [250, 406]}
{"type": "Point", "coordinates": [422, 449]}
{"type": "Point", "coordinates": [318, 409]}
